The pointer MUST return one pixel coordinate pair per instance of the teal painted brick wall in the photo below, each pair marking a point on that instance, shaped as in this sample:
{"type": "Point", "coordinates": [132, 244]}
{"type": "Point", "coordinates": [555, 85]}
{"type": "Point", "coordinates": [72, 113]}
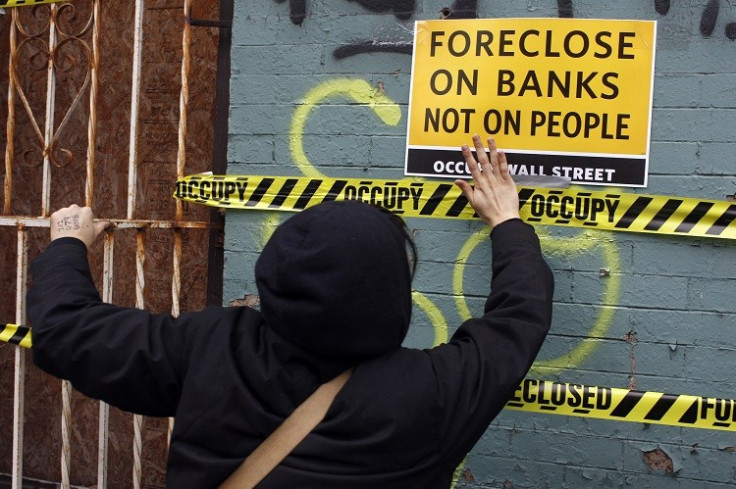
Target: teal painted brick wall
{"type": "Point", "coordinates": [662, 319]}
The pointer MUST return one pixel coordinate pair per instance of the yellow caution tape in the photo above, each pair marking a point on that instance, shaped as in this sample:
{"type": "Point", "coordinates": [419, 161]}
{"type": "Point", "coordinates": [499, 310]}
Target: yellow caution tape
{"type": "Point", "coordinates": [541, 396]}
{"type": "Point", "coordinates": [16, 334]}
{"type": "Point", "coordinates": [418, 198]}
{"type": "Point", "coordinates": [548, 397]}
{"type": "Point", "coordinates": [25, 3]}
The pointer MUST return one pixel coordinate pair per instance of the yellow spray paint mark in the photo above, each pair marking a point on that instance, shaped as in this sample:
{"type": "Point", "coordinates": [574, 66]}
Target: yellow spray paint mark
{"type": "Point", "coordinates": [268, 226]}
{"type": "Point", "coordinates": [582, 243]}
{"type": "Point", "coordinates": [439, 323]}
{"type": "Point", "coordinates": [358, 90]}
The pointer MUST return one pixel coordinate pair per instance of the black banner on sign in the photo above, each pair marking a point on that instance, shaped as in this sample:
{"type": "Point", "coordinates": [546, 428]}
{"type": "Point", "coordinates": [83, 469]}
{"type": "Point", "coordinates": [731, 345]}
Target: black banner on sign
{"type": "Point", "coordinates": [581, 169]}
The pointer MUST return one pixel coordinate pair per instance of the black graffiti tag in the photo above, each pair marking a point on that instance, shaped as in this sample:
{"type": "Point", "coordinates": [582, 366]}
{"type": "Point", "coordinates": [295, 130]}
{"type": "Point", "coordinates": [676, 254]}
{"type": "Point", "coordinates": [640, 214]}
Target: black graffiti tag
{"type": "Point", "coordinates": [468, 9]}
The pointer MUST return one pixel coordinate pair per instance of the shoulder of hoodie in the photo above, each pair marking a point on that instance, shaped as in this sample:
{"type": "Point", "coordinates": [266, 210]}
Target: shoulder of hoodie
{"type": "Point", "coordinates": [221, 321]}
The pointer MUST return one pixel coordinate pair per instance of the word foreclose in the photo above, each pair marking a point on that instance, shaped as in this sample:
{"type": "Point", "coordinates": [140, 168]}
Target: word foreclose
{"type": "Point", "coordinates": [533, 43]}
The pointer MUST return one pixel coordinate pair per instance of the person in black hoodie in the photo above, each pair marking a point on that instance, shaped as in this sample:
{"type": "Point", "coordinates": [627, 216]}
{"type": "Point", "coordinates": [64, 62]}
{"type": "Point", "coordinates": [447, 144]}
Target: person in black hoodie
{"type": "Point", "coordinates": [335, 289]}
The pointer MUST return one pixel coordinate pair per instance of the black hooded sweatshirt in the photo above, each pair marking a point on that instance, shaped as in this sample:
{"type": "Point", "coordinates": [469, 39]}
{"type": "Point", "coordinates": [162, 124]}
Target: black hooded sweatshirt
{"type": "Point", "coordinates": [335, 289]}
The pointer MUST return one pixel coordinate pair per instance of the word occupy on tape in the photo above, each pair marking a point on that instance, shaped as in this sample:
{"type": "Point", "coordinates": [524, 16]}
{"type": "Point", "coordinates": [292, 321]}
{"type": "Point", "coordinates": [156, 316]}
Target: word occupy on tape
{"type": "Point", "coordinates": [541, 396]}
{"type": "Point", "coordinates": [15, 334]}
{"type": "Point", "coordinates": [25, 3]}
{"type": "Point", "coordinates": [419, 198]}
{"type": "Point", "coordinates": [547, 397]}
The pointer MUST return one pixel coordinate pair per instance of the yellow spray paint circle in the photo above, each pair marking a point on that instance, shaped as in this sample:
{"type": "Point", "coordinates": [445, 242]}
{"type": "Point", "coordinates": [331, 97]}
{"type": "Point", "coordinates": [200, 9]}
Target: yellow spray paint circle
{"type": "Point", "coordinates": [582, 243]}
{"type": "Point", "coordinates": [358, 90]}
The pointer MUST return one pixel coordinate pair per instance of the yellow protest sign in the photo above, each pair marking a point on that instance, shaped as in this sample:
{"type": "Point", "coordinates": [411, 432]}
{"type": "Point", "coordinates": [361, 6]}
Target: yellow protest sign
{"type": "Point", "coordinates": [562, 97]}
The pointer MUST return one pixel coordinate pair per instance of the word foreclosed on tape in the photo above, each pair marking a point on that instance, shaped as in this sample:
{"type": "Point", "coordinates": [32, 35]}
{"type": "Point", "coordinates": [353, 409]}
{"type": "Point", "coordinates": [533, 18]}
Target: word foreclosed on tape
{"type": "Point", "coordinates": [541, 396]}
{"type": "Point", "coordinates": [25, 3]}
{"type": "Point", "coordinates": [417, 198]}
{"type": "Point", "coordinates": [547, 397]}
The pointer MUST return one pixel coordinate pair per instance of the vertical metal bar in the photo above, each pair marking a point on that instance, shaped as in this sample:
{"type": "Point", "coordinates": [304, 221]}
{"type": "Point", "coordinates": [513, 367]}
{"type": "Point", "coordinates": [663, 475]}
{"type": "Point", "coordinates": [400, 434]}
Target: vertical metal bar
{"type": "Point", "coordinates": [134, 107]}
{"type": "Point", "coordinates": [92, 123]}
{"type": "Point", "coordinates": [50, 106]}
{"type": "Point", "coordinates": [140, 287]}
{"type": "Point", "coordinates": [104, 418]}
{"type": "Point", "coordinates": [132, 192]}
{"type": "Point", "coordinates": [20, 363]}
{"type": "Point", "coordinates": [175, 290]}
{"type": "Point", "coordinates": [66, 430]}
{"type": "Point", "coordinates": [181, 159]}
{"type": "Point", "coordinates": [181, 163]}
{"type": "Point", "coordinates": [10, 123]}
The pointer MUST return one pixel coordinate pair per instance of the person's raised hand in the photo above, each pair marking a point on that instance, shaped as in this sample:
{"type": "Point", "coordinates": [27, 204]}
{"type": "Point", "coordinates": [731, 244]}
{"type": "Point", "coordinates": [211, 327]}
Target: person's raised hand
{"type": "Point", "coordinates": [493, 196]}
{"type": "Point", "coordinates": [76, 222]}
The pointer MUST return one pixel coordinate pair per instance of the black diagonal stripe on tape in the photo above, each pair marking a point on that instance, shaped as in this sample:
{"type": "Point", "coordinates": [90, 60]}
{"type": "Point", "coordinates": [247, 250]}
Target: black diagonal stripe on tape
{"type": "Point", "coordinates": [284, 193]}
{"type": "Point", "coordinates": [661, 407]}
{"type": "Point", "coordinates": [694, 217]}
{"type": "Point", "coordinates": [633, 212]}
{"type": "Point", "coordinates": [458, 206]}
{"type": "Point", "coordinates": [308, 193]}
{"type": "Point", "coordinates": [435, 199]}
{"type": "Point", "coordinates": [524, 195]}
{"type": "Point", "coordinates": [664, 213]}
{"type": "Point", "coordinates": [629, 402]}
{"type": "Point", "coordinates": [335, 190]}
{"type": "Point", "coordinates": [260, 191]}
{"type": "Point", "coordinates": [723, 222]}
{"type": "Point", "coordinates": [691, 415]}
{"type": "Point", "coordinates": [19, 335]}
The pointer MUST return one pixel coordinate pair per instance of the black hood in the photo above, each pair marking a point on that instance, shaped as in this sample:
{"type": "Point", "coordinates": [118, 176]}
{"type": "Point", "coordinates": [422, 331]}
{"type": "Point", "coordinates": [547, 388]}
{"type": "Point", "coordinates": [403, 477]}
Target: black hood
{"type": "Point", "coordinates": [335, 280]}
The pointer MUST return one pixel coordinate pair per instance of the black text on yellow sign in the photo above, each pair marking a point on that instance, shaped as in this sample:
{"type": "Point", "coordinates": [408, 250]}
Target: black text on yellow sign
{"type": "Point", "coordinates": [443, 200]}
{"type": "Point", "coordinates": [25, 3]}
{"type": "Point", "coordinates": [541, 396]}
{"type": "Point", "coordinates": [547, 397]}
{"type": "Point", "coordinates": [554, 93]}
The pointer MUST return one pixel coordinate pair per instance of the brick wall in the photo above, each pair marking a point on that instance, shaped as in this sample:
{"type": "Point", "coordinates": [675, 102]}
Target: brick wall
{"type": "Point", "coordinates": [653, 312]}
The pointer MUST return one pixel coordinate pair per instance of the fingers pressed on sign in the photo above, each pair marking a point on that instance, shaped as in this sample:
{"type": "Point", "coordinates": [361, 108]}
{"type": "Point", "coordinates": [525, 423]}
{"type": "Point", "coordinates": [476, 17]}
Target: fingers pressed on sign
{"type": "Point", "coordinates": [493, 195]}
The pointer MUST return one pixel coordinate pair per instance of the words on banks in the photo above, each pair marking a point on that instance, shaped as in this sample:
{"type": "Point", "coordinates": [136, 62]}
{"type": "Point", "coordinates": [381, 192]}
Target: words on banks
{"type": "Point", "coordinates": [565, 84]}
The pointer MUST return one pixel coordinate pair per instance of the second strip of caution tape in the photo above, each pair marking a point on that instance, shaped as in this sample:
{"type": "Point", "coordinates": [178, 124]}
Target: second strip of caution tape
{"type": "Point", "coordinates": [415, 198]}
{"type": "Point", "coordinates": [16, 334]}
{"type": "Point", "coordinates": [547, 397]}
{"type": "Point", "coordinates": [25, 3]}
{"type": "Point", "coordinates": [578, 400]}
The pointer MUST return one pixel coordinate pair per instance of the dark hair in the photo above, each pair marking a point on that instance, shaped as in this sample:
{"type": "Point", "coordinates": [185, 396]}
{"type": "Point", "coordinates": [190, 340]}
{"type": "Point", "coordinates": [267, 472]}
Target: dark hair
{"type": "Point", "coordinates": [411, 246]}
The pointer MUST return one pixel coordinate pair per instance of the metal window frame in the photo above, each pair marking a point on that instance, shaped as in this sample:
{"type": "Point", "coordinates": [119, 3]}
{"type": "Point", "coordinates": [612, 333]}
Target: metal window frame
{"type": "Point", "coordinates": [23, 223]}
